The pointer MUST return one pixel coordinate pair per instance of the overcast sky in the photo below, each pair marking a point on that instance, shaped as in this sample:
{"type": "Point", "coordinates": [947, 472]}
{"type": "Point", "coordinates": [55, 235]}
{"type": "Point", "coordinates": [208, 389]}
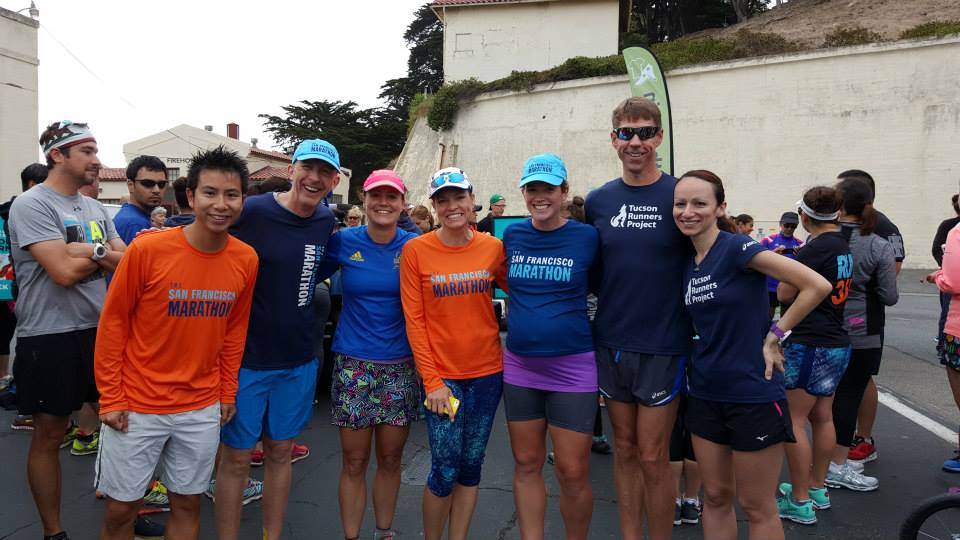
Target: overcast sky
{"type": "Point", "coordinates": [154, 65]}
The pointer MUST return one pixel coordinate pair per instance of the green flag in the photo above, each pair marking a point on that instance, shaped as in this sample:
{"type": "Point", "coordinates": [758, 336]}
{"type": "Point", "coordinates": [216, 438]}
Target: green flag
{"type": "Point", "coordinates": [646, 80]}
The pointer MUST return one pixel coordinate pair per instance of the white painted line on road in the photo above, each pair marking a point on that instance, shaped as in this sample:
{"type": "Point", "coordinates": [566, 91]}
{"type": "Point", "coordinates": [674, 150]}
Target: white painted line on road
{"type": "Point", "coordinates": [918, 294]}
{"type": "Point", "coordinates": [904, 410]}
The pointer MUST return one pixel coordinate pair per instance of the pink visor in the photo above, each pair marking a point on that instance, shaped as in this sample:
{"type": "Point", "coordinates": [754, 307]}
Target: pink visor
{"type": "Point", "coordinates": [384, 177]}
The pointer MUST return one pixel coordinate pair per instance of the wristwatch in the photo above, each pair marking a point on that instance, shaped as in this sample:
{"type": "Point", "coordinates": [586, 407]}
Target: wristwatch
{"type": "Point", "coordinates": [781, 335]}
{"type": "Point", "coordinates": [99, 251]}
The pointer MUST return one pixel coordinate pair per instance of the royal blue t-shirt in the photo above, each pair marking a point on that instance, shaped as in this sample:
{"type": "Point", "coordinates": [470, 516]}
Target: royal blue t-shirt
{"type": "Point", "coordinates": [790, 243]}
{"type": "Point", "coordinates": [371, 325]}
{"type": "Point", "coordinates": [130, 220]}
{"type": "Point", "coordinates": [642, 256]}
{"type": "Point", "coordinates": [548, 275]}
{"type": "Point", "coordinates": [728, 303]}
{"type": "Point", "coordinates": [290, 247]}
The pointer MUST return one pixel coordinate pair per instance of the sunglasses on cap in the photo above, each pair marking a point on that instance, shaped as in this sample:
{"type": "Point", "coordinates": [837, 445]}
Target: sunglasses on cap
{"type": "Point", "coordinates": [150, 184]}
{"type": "Point", "coordinates": [448, 178]}
{"type": "Point", "coordinates": [645, 132]}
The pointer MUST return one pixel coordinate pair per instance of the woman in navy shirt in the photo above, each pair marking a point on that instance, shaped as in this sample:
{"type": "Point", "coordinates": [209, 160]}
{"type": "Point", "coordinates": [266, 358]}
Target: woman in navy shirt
{"type": "Point", "coordinates": [737, 412]}
{"type": "Point", "coordinates": [374, 388]}
{"type": "Point", "coordinates": [549, 368]}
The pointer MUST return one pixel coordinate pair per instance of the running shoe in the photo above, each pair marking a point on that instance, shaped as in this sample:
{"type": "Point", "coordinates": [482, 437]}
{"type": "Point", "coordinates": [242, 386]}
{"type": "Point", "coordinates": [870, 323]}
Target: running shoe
{"type": "Point", "coordinates": [862, 451]}
{"type": "Point", "coordinates": [797, 512]}
{"type": "Point", "coordinates": [5, 382]}
{"type": "Point", "coordinates": [600, 445]}
{"type": "Point", "coordinates": [819, 496]}
{"type": "Point", "coordinates": [299, 452]}
{"type": "Point", "coordinates": [157, 499]}
{"type": "Point", "coordinates": [677, 514]}
{"type": "Point", "coordinates": [253, 491]}
{"type": "Point", "coordinates": [256, 458]}
{"type": "Point", "coordinates": [381, 534]}
{"type": "Point", "coordinates": [70, 436]}
{"type": "Point", "coordinates": [81, 448]}
{"type": "Point", "coordinates": [62, 535]}
{"type": "Point", "coordinates": [843, 476]}
{"type": "Point", "coordinates": [953, 464]}
{"type": "Point", "coordinates": [690, 511]}
{"type": "Point", "coordinates": [550, 458]}
{"type": "Point", "coordinates": [22, 422]}
{"type": "Point", "coordinates": [145, 529]}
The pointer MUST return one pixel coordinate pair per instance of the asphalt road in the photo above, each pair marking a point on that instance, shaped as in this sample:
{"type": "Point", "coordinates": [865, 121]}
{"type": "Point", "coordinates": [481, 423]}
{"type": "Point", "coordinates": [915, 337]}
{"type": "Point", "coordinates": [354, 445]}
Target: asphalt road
{"type": "Point", "coordinates": [908, 468]}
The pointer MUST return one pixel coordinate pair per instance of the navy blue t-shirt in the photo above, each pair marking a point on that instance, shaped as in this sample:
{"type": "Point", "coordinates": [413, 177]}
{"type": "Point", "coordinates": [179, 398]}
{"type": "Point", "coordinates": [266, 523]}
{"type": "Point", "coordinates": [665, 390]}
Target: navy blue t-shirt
{"type": "Point", "coordinates": [728, 303]}
{"type": "Point", "coordinates": [548, 279]}
{"type": "Point", "coordinates": [642, 256]}
{"type": "Point", "coordinates": [290, 247]}
{"type": "Point", "coordinates": [371, 325]}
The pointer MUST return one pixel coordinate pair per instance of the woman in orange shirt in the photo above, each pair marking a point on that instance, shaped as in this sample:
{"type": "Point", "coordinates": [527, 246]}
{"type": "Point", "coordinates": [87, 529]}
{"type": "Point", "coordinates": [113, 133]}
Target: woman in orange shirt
{"type": "Point", "coordinates": [445, 281]}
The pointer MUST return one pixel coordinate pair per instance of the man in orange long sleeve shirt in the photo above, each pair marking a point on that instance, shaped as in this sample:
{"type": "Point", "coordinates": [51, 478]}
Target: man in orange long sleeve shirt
{"type": "Point", "coordinates": [169, 345]}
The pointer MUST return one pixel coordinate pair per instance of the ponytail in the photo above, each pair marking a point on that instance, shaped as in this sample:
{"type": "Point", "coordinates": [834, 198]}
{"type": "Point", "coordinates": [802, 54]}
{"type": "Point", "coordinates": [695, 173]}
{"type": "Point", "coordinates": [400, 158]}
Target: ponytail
{"type": "Point", "coordinates": [726, 224]}
{"type": "Point", "coordinates": [868, 220]}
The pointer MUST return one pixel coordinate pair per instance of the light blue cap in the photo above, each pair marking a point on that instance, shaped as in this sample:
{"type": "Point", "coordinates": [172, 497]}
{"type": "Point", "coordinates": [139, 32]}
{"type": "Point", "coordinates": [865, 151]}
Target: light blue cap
{"type": "Point", "coordinates": [544, 168]}
{"type": "Point", "coordinates": [317, 149]}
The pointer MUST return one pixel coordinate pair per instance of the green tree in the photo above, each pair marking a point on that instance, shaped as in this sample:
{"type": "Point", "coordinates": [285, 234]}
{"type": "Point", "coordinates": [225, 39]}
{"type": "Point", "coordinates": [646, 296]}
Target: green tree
{"type": "Point", "coordinates": [367, 139]}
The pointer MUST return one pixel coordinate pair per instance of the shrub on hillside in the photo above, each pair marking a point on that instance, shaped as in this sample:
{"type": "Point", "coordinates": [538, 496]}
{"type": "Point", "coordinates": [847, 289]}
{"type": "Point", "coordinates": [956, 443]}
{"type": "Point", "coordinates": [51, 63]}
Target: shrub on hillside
{"type": "Point", "coordinates": [932, 29]}
{"type": "Point", "coordinates": [684, 52]}
{"type": "Point", "coordinates": [845, 36]}
{"type": "Point", "coordinates": [747, 44]}
{"type": "Point", "coordinates": [446, 102]}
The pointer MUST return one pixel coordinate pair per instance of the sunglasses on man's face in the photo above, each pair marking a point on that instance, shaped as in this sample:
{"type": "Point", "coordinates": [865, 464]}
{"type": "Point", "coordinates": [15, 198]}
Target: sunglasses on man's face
{"type": "Point", "coordinates": [645, 132]}
{"type": "Point", "coordinates": [150, 184]}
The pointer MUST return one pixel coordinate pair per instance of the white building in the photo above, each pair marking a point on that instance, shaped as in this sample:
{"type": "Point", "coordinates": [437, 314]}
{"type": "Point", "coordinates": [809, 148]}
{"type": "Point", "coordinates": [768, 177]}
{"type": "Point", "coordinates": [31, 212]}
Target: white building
{"type": "Point", "coordinates": [19, 130]}
{"type": "Point", "coordinates": [487, 39]}
{"type": "Point", "coordinates": [175, 147]}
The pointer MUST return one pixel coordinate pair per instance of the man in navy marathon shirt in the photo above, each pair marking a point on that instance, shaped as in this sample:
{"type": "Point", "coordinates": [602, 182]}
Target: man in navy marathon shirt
{"type": "Point", "coordinates": [863, 448]}
{"type": "Point", "coordinates": [642, 330]}
{"type": "Point", "coordinates": [278, 375]}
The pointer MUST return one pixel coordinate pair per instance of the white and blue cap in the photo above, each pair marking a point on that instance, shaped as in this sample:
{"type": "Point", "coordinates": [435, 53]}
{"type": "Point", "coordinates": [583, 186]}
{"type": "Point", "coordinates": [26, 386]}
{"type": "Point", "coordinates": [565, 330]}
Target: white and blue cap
{"type": "Point", "coordinates": [317, 149]}
{"type": "Point", "coordinates": [547, 168]}
{"type": "Point", "coordinates": [449, 177]}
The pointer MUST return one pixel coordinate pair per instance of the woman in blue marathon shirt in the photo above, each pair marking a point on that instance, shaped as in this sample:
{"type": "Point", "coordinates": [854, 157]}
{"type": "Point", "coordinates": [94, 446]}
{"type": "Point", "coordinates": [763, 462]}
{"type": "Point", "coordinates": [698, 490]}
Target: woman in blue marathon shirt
{"type": "Point", "coordinates": [549, 369]}
{"type": "Point", "coordinates": [374, 389]}
{"type": "Point", "coordinates": [737, 412]}
{"type": "Point", "coordinates": [815, 356]}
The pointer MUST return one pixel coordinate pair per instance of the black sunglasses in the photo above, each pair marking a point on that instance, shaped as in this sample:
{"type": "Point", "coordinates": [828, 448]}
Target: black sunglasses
{"type": "Point", "coordinates": [645, 132]}
{"type": "Point", "coordinates": [150, 184]}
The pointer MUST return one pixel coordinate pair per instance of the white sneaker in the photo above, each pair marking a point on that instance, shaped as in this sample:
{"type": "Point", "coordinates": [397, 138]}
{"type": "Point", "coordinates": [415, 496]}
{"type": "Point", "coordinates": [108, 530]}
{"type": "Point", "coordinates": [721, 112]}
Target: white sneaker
{"type": "Point", "coordinates": [844, 476]}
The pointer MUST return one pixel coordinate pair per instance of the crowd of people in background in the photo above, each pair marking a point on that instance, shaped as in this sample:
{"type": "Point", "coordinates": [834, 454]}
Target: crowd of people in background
{"type": "Point", "coordinates": [189, 346]}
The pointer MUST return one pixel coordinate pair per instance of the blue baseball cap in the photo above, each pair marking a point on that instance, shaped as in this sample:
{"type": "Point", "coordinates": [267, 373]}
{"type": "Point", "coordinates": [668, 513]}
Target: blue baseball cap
{"type": "Point", "coordinates": [544, 168]}
{"type": "Point", "coordinates": [317, 149]}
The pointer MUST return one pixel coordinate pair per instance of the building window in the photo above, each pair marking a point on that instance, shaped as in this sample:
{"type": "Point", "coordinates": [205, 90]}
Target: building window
{"type": "Point", "coordinates": [463, 45]}
{"type": "Point", "coordinates": [173, 173]}
{"type": "Point", "coordinates": [336, 198]}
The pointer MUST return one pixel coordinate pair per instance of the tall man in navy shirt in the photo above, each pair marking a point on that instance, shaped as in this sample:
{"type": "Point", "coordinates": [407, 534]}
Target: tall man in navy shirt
{"type": "Point", "coordinates": [146, 180]}
{"type": "Point", "coordinates": [642, 330]}
{"type": "Point", "coordinates": [278, 375]}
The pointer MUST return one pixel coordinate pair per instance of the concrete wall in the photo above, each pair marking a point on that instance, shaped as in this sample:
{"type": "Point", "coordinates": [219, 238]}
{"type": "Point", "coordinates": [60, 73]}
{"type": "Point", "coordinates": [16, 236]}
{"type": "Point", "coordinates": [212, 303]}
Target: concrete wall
{"type": "Point", "coordinates": [19, 129]}
{"type": "Point", "coordinates": [770, 127]}
{"type": "Point", "coordinates": [488, 41]}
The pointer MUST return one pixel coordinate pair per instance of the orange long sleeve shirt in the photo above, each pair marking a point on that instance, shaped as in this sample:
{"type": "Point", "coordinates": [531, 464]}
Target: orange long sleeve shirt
{"type": "Point", "coordinates": [447, 306]}
{"type": "Point", "coordinates": [173, 326]}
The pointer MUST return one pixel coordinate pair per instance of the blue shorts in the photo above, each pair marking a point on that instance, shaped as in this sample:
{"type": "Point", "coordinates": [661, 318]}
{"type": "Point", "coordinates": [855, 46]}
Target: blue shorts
{"type": "Point", "coordinates": [457, 448]}
{"type": "Point", "coordinates": [276, 403]}
{"type": "Point", "coordinates": [817, 370]}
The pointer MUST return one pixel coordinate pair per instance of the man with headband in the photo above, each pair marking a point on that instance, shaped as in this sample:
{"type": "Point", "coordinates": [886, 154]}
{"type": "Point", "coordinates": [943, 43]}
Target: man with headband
{"type": "Point", "coordinates": [62, 245]}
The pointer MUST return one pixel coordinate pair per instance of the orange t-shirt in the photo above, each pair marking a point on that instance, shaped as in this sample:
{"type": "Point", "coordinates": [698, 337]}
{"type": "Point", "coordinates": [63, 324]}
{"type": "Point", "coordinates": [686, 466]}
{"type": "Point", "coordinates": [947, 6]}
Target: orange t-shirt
{"type": "Point", "coordinates": [173, 326]}
{"type": "Point", "coordinates": [447, 306]}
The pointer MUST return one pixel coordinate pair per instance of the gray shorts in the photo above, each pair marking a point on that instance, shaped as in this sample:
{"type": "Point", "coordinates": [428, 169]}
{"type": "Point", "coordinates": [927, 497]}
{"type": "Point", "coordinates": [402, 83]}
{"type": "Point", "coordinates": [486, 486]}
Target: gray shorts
{"type": "Point", "coordinates": [575, 411]}
{"type": "Point", "coordinates": [183, 444]}
{"type": "Point", "coordinates": [648, 379]}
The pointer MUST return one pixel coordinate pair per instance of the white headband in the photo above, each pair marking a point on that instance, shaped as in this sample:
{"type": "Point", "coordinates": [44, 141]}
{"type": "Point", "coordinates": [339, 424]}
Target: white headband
{"type": "Point", "coordinates": [815, 215]}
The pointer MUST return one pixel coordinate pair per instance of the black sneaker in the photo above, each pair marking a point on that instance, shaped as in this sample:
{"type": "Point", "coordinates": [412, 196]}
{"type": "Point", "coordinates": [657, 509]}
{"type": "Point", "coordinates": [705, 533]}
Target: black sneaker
{"type": "Point", "coordinates": [677, 512]}
{"type": "Point", "coordinates": [690, 511]}
{"type": "Point", "coordinates": [148, 530]}
{"type": "Point", "coordinates": [62, 535]}
{"type": "Point", "coordinates": [601, 446]}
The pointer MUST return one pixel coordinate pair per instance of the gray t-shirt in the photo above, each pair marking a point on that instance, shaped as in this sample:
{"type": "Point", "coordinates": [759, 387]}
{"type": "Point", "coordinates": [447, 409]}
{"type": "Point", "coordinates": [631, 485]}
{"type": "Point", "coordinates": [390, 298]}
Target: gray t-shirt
{"type": "Point", "coordinates": [43, 307]}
